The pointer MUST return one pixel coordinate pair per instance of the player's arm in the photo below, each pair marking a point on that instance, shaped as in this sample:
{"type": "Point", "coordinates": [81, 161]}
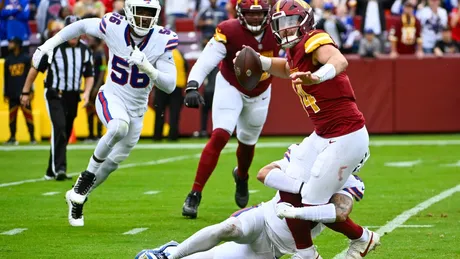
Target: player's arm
{"type": "Point", "coordinates": [31, 76]}
{"type": "Point", "coordinates": [211, 56]}
{"type": "Point", "coordinates": [278, 67]}
{"type": "Point", "coordinates": [85, 26]}
{"type": "Point", "coordinates": [88, 73]}
{"type": "Point", "coordinates": [273, 176]}
{"type": "Point", "coordinates": [165, 78]}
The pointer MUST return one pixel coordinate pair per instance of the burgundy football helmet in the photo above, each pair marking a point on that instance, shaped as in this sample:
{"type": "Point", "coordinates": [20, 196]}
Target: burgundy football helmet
{"type": "Point", "coordinates": [290, 21]}
{"type": "Point", "coordinates": [246, 11]}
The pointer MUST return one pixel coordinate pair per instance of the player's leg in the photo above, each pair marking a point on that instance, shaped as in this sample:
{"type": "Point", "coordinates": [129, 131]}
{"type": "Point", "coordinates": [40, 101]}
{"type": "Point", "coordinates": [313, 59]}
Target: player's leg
{"type": "Point", "coordinates": [248, 129]}
{"type": "Point", "coordinates": [27, 111]}
{"type": "Point", "coordinates": [90, 112]}
{"type": "Point", "coordinates": [226, 109]}
{"type": "Point", "coordinates": [120, 152]}
{"type": "Point", "coordinates": [13, 115]}
{"type": "Point", "coordinates": [160, 102]}
{"type": "Point", "coordinates": [112, 112]}
{"type": "Point", "coordinates": [243, 227]}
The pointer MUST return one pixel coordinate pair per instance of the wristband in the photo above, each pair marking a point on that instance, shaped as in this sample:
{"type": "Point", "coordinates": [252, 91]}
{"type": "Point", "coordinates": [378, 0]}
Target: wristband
{"type": "Point", "coordinates": [325, 72]}
{"type": "Point", "coordinates": [266, 62]}
{"type": "Point", "coordinates": [24, 93]}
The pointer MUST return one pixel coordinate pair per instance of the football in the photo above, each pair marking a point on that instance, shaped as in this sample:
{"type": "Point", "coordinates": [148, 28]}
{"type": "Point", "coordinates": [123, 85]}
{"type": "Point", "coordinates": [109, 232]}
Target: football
{"type": "Point", "coordinates": [248, 68]}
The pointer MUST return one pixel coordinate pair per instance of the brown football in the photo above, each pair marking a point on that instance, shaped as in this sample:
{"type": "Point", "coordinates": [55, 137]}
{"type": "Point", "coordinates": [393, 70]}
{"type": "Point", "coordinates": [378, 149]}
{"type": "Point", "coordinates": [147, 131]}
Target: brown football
{"type": "Point", "coordinates": [248, 68]}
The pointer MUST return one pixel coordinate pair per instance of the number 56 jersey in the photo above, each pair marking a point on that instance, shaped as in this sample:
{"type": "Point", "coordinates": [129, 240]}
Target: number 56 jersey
{"type": "Point", "coordinates": [128, 82]}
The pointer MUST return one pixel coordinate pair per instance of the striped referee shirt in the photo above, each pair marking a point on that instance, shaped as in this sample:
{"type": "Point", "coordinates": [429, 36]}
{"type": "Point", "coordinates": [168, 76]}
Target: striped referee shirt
{"type": "Point", "coordinates": [68, 66]}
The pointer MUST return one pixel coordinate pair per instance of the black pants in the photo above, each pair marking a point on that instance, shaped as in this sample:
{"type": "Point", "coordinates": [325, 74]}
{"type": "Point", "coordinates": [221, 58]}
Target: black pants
{"type": "Point", "coordinates": [161, 101]}
{"type": "Point", "coordinates": [14, 105]}
{"type": "Point", "coordinates": [91, 113]}
{"type": "Point", "coordinates": [62, 111]}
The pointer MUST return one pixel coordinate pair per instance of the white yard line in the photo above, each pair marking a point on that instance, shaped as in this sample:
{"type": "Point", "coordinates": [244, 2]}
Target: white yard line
{"type": "Point", "coordinates": [50, 193]}
{"type": "Point", "coordinates": [403, 163]}
{"type": "Point", "coordinates": [453, 164]}
{"type": "Point", "coordinates": [154, 162]}
{"type": "Point", "coordinates": [405, 226]}
{"type": "Point", "coordinates": [253, 191]}
{"type": "Point", "coordinates": [13, 232]}
{"type": "Point", "coordinates": [403, 217]}
{"type": "Point", "coordinates": [377, 143]}
{"type": "Point", "coordinates": [135, 231]}
{"type": "Point", "coordinates": [152, 192]}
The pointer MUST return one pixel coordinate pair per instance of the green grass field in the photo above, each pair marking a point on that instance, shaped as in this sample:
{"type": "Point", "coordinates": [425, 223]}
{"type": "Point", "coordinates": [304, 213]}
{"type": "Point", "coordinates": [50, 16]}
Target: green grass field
{"type": "Point", "coordinates": [120, 205]}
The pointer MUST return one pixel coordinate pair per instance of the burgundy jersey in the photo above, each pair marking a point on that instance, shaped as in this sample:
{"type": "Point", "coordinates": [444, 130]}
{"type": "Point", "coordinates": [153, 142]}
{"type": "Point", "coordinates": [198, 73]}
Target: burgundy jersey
{"type": "Point", "coordinates": [406, 34]}
{"type": "Point", "coordinates": [233, 35]}
{"type": "Point", "coordinates": [331, 105]}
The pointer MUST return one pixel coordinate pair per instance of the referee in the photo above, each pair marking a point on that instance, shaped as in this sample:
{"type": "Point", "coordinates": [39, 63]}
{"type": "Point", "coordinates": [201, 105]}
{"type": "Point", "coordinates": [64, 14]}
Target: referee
{"type": "Point", "coordinates": [71, 60]}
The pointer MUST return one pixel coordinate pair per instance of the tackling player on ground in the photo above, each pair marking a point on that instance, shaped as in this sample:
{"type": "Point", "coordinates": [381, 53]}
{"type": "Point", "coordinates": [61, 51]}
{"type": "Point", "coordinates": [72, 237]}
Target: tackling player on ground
{"type": "Point", "coordinates": [233, 106]}
{"type": "Point", "coordinates": [139, 57]}
{"type": "Point", "coordinates": [340, 140]}
{"type": "Point", "coordinates": [255, 232]}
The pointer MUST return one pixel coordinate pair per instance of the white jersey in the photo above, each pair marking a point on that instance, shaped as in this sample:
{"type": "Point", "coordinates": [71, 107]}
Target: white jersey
{"type": "Point", "coordinates": [128, 82]}
{"type": "Point", "coordinates": [278, 230]}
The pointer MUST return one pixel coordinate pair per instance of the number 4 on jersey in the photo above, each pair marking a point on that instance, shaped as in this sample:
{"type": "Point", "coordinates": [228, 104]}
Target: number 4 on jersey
{"type": "Point", "coordinates": [306, 99]}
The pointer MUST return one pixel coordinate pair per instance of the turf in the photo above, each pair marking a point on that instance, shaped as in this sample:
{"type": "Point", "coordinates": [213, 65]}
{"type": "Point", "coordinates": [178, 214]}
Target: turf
{"type": "Point", "coordinates": [120, 204]}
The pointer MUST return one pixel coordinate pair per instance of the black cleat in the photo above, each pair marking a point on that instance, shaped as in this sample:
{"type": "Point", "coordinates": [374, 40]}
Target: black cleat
{"type": "Point", "coordinates": [62, 176]}
{"type": "Point", "coordinates": [81, 189]}
{"type": "Point", "coordinates": [190, 208]}
{"type": "Point", "coordinates": [241, 193]}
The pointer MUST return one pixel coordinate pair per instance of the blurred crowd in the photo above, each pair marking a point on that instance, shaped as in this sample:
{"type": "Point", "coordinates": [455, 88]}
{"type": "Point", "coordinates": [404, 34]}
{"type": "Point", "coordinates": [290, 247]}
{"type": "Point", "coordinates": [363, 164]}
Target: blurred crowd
{"type": "Point", "coordinates": [369, 28]}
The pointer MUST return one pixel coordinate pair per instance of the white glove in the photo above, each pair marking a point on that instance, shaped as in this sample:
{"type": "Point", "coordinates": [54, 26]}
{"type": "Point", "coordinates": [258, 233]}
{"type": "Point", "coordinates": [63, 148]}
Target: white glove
{"type": "Point", "coordinates": [39, 53]}
{"type": "Point", "coordinates": [285, 210]}
{"type": "Point", "coordinates": [139, 59]}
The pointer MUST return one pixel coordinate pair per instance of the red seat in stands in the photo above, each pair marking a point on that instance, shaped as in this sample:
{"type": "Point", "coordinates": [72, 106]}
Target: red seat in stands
{"type": "Point", "coordinates": [184, 24]}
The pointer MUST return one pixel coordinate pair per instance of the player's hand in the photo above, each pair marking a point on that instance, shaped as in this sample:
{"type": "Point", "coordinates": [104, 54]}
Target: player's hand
{"type": "Point", "coordinates": [138, 58]}
{"type": "Point", "coordinates": [5, 99]}
{"type": "Point", "coordinates": [85, 98]}
{"type": "Point", "coordinates": [39, 53]}
{"type": "Point", "coordinates": [304, 78]}
{"type": "Point", "coordinates": [193, 99]}
{"type": "Point", "coordinates": [393, 54]}
{"type": "Point", "coordinates": [285, 210]}
{"type": "Point", "coordinates": [238, 53]}
{"type": "Point", "coordinates": [25, 100]}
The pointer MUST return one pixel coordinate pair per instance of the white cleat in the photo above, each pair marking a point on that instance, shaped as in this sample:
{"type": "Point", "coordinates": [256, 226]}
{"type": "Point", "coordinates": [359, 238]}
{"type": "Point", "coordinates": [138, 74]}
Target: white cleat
{"type": "Point", "coordinates": [285, 210]}
{"type": "Point", "coordinates": [359, 249]}
{"type": "Point", "coordinates": [75, 212]}
{"type": "Point", "coordinates": [82, 187]}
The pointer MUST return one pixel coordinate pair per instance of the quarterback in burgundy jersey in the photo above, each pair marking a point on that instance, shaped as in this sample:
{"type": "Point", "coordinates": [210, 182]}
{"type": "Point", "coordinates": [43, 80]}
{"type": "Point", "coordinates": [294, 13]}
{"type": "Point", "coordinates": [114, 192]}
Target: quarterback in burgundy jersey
{"type": "Point", "coordinates": [340, 141]}
{"type": "Point", "coordinates": [233, 106]}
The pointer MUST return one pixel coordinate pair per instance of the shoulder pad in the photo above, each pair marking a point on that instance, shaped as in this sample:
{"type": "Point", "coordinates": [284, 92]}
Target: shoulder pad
{"type": "Point", "coordinates": [317, 38]}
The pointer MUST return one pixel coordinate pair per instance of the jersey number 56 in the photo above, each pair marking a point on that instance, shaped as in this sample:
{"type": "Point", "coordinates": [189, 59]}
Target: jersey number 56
{"type": "Point", "coordinates": [121, 77]}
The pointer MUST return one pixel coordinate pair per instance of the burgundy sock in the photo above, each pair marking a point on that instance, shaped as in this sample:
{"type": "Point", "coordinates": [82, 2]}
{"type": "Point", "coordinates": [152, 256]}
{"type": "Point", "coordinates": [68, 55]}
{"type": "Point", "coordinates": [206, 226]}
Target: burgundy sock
{"type": "Point", "coordinates": [244, 155]}
{"type": "Point", "coordinates": [300, 229]}
{"type": "Point", "coordinates": [348, 228]}
{"type": "Point", "coordinates": [209, 158]}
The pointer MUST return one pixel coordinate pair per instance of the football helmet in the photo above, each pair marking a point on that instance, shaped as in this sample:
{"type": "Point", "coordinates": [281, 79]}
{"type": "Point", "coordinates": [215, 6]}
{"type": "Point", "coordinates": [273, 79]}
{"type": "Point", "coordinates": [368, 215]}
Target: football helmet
{"type": "Point", "coordinates": [254, 24]}
{"type": "Point", "coordinates": [290, 21]}
{"type": "Point", "coordinates": [142, 15]}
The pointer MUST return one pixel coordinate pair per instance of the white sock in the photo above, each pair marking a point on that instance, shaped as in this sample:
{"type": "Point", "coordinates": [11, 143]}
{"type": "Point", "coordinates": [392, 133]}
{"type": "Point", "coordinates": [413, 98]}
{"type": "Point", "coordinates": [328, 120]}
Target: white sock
{"type": "Point", "coordinates": [322, 213]}
{"type": "Point", "coordinates": [305, 253]}
{"type": "Point", "coordinates": [364, 236]}
{"type": "Point", "coordinates": [278, 180]}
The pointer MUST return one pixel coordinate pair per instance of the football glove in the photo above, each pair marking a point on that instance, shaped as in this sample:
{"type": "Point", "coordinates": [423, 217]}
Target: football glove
{"type": "Point", "coordinates": [139, 59]}
{"type": "Point", "coordinates": [193, 99]}
{"type": "Point", "coordinates": [39, 53]}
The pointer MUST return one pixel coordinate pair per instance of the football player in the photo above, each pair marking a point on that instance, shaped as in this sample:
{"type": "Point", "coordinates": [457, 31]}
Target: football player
{"type": "Point", "coordinates": [233, 106]}
{"type": "Point", "coordinates": [256, 232]}
{"type": "Point", "coordinates": [340, 140]}
{"type": "Point", "coordinates": [139, 57]}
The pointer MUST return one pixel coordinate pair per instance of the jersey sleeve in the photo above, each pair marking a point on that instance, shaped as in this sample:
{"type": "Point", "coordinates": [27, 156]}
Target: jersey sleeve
{"type": "Point", "coordinates": [353, 188]}
{"type": "Point", "coordinates": [317, 39]}
{"type": "Point", "coordinates": [220, 35]}
{"type": "Point", "coordinates": [173, 42]}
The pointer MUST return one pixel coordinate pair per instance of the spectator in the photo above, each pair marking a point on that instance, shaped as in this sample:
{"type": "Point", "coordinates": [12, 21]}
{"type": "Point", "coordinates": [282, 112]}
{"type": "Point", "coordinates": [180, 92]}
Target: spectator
{"type": "Point", "coordinates": [446, 45]}
{"type": "Point", "coordinates": [209, 86]}
{"type": "Point", "coordinates": [373, 15]}
{"type": "Point", "coordinates": [17, 64]}
{"type": "Point", "coordinates": [231, 8]}
{"type": "Point", "coordinates": [100, 66]}
{"type": "Point", "coordinates": [48, 10]}
{"type": "Point", "coordinates": [351, 36]}
{"type": "Point", "coordinates": [333, 26]}
{"type": "Point", "coordinates": [369, 46]}
{"type": "Point", "coordinates": [178, 9]}
{"type": "Point", "coordinates": [208, 19]}
{"type": "Point", "coordinates": [432, 18]}
{"type": "Point", "coordinates": [405, 35]}
{"type": "Point", "coordinates": [118, 6]}
{"type": "Point", "coordinates": [455, 25]}
{"type": "Point", "coordinates": [173, 100]}
{"type": "Point", "coordinates": [62, 96]}
{"type": "Point", "coordinates": [14, 23]}
{"type": "Point", "coordinates": [89, 7]}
